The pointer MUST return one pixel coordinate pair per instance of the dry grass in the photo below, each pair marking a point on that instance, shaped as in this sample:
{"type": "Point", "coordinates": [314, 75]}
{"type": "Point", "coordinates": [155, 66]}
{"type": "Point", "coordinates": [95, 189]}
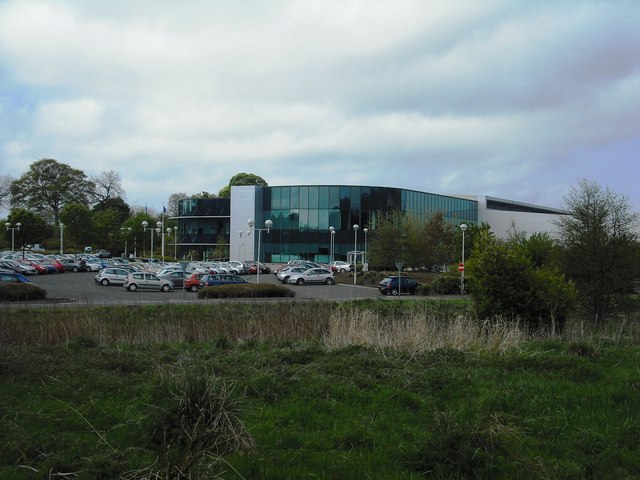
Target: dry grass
{"type": "Point", "coordinates": [416, 334]}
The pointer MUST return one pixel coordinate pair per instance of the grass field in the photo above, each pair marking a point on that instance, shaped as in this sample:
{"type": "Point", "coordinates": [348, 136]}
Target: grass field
{"type": "Point", "coordinates": [370, 389]}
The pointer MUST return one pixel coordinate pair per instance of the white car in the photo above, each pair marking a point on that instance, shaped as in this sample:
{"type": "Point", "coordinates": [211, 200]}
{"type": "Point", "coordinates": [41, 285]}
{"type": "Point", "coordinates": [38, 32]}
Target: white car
{"type": "Point", "coordinates": [340, 266]}
{"type": "Point", "coordinates": [313, 275]}
{"type": "Point", "coordinates": [146, 281]}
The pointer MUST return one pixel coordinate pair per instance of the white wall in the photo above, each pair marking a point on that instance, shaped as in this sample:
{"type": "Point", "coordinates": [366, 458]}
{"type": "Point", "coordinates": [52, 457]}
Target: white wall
{"type": "Point", "coordinates": [243, 201]}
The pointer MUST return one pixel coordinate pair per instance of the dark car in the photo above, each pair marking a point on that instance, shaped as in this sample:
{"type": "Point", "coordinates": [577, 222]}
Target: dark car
{"type": "Point", "coordinates": [215, 280]}
{"type": "Point", "coordinates": [13, 277]}
{"type": "Point", "coordinates": [177, 277]}
{"type": "Point", "coordinates": [396, 285]}
{"type": "Point", "coordinates": [74, 264]}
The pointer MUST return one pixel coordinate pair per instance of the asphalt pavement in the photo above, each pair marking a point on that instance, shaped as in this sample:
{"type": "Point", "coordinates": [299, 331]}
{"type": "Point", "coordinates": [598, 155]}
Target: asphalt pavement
{"type": "Point", "coordinates": [81, 288]}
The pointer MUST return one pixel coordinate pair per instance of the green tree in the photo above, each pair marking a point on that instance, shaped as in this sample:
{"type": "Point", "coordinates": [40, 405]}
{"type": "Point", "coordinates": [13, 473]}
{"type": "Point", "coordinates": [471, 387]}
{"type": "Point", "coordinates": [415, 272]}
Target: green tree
{"type": "Point", "coordinates": [33, 229]}
{"type": "Point", "coordinates": [48, 186]}
{"type": "Point", "coordinates": [240, 179]}
{"type": "Point", "coordinates": [510, 280]}
{"type": "Point", "coordinates": [78, 224]}
{"type": "Point", "coordinates": [599, 241]}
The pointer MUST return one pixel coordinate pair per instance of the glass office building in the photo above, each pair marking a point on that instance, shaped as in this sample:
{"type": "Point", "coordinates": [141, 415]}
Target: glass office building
{"type": "Point", "coordinates": [301, 216]}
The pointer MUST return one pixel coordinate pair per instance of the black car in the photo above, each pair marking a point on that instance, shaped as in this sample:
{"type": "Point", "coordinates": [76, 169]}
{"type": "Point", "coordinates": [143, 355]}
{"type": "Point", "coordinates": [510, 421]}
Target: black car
{"type": "Point", "coordinates": [396, 285]}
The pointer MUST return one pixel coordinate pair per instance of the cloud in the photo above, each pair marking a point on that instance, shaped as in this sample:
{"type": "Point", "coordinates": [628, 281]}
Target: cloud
{"type": "Point", "coordinates": [506, 98]}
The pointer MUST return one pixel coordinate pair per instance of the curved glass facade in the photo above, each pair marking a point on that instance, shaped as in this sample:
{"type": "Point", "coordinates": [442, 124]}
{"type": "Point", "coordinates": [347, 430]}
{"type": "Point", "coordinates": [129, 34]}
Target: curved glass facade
{"type": "Point", "coordinates": [302, 216]}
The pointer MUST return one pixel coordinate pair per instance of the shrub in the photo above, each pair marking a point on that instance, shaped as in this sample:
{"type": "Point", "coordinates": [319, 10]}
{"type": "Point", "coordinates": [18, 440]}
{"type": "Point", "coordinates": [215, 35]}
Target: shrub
{"type": "Point", "coordinates": [447, 285]}
{"type": "Point", "coordinates": [14, 292]}
{"type": "Point", "coordinates": [424, 289]}
{"type": "Point", "coordinates": [247, 290]}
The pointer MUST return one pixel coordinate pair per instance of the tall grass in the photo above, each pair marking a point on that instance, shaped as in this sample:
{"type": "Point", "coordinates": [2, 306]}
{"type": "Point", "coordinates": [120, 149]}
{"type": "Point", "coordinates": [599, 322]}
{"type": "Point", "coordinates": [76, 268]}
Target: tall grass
{"type": "Point", "coordinates": [411, 325]}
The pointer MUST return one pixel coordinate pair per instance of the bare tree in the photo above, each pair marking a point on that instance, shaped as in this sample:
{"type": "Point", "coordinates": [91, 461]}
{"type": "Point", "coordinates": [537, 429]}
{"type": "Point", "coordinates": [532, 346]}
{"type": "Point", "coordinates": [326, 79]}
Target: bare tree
{"type": "Point", "coordinates": [5, 189]}
{"type": "Point", "coordinates": [174, 202]}
{"type": "Point", "coordinates": [108, 185]}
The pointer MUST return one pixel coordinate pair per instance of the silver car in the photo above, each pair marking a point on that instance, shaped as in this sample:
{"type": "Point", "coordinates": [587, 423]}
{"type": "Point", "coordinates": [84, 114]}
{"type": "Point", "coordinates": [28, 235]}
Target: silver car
{"type": "Point", "coordinates": [146, 281]}
{"type": "Point", "coordinates": [313, 275]}
{"type": "Point", "coordinates": [112, 276]}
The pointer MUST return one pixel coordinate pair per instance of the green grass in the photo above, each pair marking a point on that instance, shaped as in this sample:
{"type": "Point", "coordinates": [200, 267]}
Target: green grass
{"type": "Point", "coordinates": [269, 404]}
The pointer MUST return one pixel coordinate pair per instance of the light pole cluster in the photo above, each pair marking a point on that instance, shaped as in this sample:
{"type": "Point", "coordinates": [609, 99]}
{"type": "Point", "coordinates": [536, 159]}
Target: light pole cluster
{"type": "Point", "coordinates": [13, 234]}
{"type": "Point", "coordinates": [61, 225]}
{"type": "Point", "coordinates": [356, 227]}
{"type": "Point", "coordinates": [332, 240]}
{"type": "Point", "coordinates": [268, 224]}
{"type": "Point", "coordinates": [463, 227]}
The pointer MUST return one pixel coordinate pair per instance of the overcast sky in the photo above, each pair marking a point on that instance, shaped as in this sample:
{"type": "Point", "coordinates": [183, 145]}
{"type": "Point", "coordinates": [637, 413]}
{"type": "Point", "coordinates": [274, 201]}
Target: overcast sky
{"type": "Point", "coordinates": [515, 99]}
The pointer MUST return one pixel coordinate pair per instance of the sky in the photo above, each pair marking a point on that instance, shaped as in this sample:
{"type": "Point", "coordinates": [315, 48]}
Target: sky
{"type": "Point", "coordinates": [514, 99]}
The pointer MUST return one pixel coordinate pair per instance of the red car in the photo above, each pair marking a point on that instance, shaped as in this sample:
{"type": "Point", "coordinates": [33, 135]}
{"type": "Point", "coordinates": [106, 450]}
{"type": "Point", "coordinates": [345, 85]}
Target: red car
{"type": "Point", "coordinates": [40, 268]}
{"type": "Point", "coordinates": [192, 283]}
{"type": "Point", "coordinates": [57, 264]}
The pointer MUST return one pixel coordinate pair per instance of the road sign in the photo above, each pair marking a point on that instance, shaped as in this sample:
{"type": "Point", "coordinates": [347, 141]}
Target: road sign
{"type": "Point", "coordinates": [461, 267]}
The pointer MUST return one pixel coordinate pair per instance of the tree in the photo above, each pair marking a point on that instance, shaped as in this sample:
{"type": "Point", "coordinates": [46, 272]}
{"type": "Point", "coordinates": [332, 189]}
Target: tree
{"type": "Point", "coordinates": [173, 203]}
{"type": "Point", "coordinates": [33, 229]}
{"type": "Point", "coordinates": [510, 280]}
{"type": "Point", "coordinates": [599, 247]}
{"type": "Point", "coordinates": [78, 223]}
{"type": "Point", "coordinates": [48, 186]}
{"type": "Point", "coordinates": [117, 204]}
{"type": "Point", "coordinates": [108, 185]}
{"type": "Point", "coordinates": [240, 179]}
{"type": "Point", "coordinates": [5, 189]}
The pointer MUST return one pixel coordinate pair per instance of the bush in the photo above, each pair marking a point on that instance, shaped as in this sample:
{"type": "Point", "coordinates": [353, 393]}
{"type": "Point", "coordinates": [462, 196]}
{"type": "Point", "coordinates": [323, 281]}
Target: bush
{"type": "Point", "coordinates": [447, 285]}
{"type": "Point", "coordinates": [247, 290]}
{"type": "Point", "coordinates": [15, 292]}
{"type": "Point", "coordinates": [424, 289]}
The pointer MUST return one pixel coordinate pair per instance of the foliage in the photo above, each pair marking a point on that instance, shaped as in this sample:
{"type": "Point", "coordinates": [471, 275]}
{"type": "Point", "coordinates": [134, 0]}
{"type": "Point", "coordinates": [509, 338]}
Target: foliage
{"type": "Point", "coordinates": [246, 290]}
{"type": "Point", "coordinates": [510, 279]}
{"type": "Point", "coordinates": [599, 242]}
{"type": "Point", "coordinates": [50, 185]}
{"type": "Point", "coordinates": [241, 179]}
{"type": "Point", "coordinates": [33, 228]}
{"type": "Point", "coordinates": [449, 284]}
{"type": "Point", "coordinates": [78, 224]}
{"type": "Point", "coordinates": [5, 189]}
{"type": "Point", "coordinates": [14, 292]}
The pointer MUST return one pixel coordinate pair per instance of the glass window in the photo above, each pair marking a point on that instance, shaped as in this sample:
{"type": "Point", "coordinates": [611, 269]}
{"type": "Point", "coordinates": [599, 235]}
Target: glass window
{"type": "Point", "coordinates": [276, 194]}
{"type": "Point", "coordinates": [304, 219]}
{"type": "Point", "coordinates": [323, 219]}
{"type": "Point", "coordinates": [304, 197]}
{"type": "Point", "coordinates": [313, 197]}
{"type": "Point", "coordinates": [285, 200]}
{"type": "Point", "coordinates": [323, 197]}
{"type": "Point", "coordinates": [355, 198]}
{"type": "Point", "coordinates": [334, 197]}
{"type": "Point", "coordinates": [313, 219]}
{"type": "Point", "coordinates": [295, 197]}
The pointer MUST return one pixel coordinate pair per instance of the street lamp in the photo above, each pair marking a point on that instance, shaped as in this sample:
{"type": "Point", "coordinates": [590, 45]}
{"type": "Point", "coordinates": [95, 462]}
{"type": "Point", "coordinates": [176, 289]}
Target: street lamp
{"type": "Point", "coordinates": [331, 244]}
{"type": "Point", "coordinates": [145, 226]}
{"type": "Point", "coordinates": [365, 264]}
{"type": "Point", "coordinates": [268, 224]}
{"type": "Point", "coordinates": [355, 252]}
{"type": "Point", "coordinates": [160, 230]}
{"type": "Point", "coordinates": [13, 233]}
{"type": "Point", "coordinates": [463, 227]}
{"type": "Point", "coordinates": [175, 242]}
{"type": "Point", "coordinates": [61, 237]}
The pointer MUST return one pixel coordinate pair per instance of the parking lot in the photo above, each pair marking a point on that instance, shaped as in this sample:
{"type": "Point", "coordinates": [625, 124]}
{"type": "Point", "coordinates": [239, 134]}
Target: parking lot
{"type": "Point", "coordinates": [81, 288]}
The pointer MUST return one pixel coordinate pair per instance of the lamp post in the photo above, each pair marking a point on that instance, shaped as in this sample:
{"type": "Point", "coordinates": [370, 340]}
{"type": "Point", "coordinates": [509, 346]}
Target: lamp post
{"type": "Point", "coordinates": [145, 226]}
{"type": "Point", "coordinates": [463, 227]}
{"type": "Point", "coordinates": [268, 224]}
{"type": "Point", "coordinates": [331, 244]}
{"type": "Point", "coordinates": [61, 225]}
{"type": "Point", "coordinates": [13, 233]}
{"type": "Point", "coordinates": [355, 253]}
{"type": "Point", "coordinates": [175, 242]}
{"type": "Point", "coordinates": [160, 230]}
{"type": "Point", "coordinates": [365, 263]}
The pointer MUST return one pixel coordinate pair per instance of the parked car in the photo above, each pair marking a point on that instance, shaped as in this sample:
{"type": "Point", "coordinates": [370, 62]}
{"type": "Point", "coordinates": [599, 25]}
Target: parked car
{"type": "Point", "coordinates": [236, 267]}
{"type": "Point", "coordinates": [253, 268]}
{"type": "Point", "coordinates": [146, 281]}
{"type": "Point", "coordinates": [313, 275]}
{"type": "Point", "coordinates": [102, 253]}
{"type": "Point", "coordinates": [192, 283]}
{"type": "Point", "coordinates": [13, 277]}
{"type": "Point", "coordinates": [18, 267]}
{"type": "Point", "coordinates": [221, 279]}
{"type": "Point", "coordinates": [95, 264]}
{"type": "Point", "coordinates": [57, 264]}
{"type": "Point", "coordinates": [341, 267]}
{"type": "Point", "coordinates": [74, 264]}
{"type": "Point", "coordinates": [284, 273]}
{"type": "Point", "coordinates": [396, 285]}
{"type": "Point", "coordinates": [112, 276]}
{"type": "Point", "coordinates": [175, 276]}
